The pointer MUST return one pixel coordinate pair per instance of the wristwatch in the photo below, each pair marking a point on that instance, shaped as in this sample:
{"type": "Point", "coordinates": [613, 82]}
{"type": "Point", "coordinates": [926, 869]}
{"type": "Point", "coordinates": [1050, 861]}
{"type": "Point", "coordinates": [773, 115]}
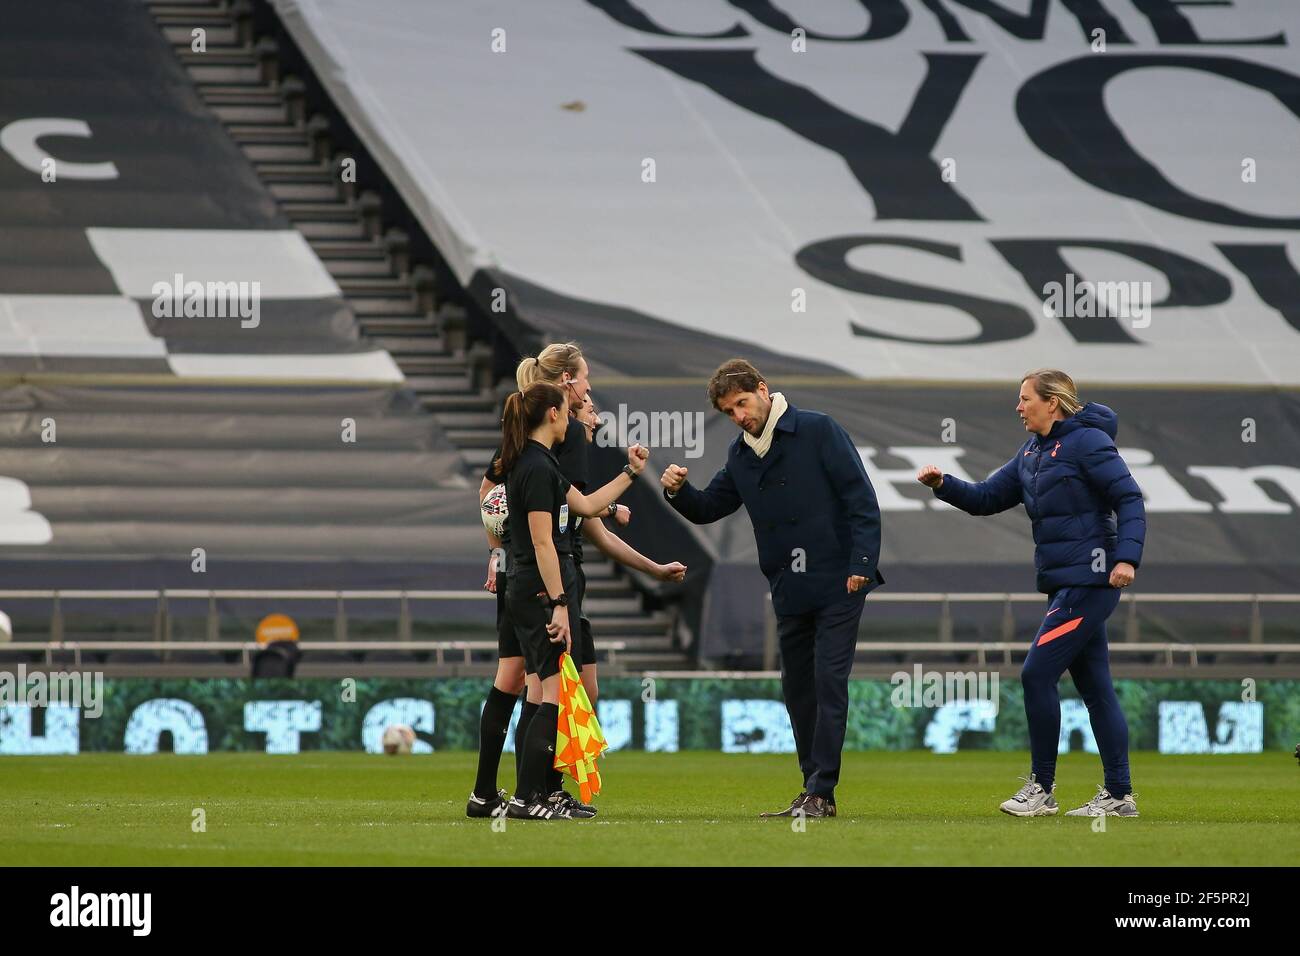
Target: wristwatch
{"type": "Point", "coordinates": [627, 470]}
{"type": "Point", "coordinates": [613, 509]}
{"type": "Point", "coordinates": [551, 603]}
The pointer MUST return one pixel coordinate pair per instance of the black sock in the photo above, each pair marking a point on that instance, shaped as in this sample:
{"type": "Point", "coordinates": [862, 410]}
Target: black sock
{"type": "Point", "coordinates": [521, 732]}
{"type": "Point", "coordinates": [492, 729]}
{"type": "Point", "coordinates": [539, 751]}
{"type": "Point", "coordinates": [556, 779]}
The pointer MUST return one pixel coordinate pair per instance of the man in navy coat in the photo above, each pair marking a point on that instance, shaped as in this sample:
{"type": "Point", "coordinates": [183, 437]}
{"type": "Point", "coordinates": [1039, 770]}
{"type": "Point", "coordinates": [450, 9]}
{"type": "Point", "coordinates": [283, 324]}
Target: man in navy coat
{"type": "Point", "coordinates": [817, 526]}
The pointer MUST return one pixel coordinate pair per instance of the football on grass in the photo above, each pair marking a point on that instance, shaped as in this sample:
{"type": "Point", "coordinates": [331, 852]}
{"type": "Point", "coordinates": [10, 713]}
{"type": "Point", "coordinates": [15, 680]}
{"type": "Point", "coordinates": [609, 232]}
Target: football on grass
{"type": "Point", "coordinates": [398, 739]}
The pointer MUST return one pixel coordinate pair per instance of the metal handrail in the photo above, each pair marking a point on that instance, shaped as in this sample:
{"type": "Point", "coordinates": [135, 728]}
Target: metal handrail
{"type": "Point", "coordinates": [162, 621]}
{"type": "Point", "coordinates": [917, 597]}
{"type": "Point", "coordinates": [1132, 597]}
{"type": "Point", "coordinates": [945, 599]}
{"type": "Point", "coordinates": [246, 594]}
{"type": "Point", "coordinates": [1168, 648]}
{"type": "Point", "coordinates": [163, 616]}
{"type": "Point", "coordinates": [246, 648]}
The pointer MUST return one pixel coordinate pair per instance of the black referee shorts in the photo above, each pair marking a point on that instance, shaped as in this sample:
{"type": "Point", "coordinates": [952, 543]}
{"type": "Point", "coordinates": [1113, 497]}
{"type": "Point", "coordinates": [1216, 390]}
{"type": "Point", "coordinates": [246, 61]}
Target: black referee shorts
{"type": "Point", "coordinates": [525, 618]}
{"type": "Point", "coordinates": [584, 646]}
{"type": "Point", "coordinates": [507, 643]}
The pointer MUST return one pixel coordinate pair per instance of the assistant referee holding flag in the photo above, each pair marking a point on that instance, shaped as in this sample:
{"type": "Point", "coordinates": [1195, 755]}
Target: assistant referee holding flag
{"type": "Point", "coordinates": [817, 526]}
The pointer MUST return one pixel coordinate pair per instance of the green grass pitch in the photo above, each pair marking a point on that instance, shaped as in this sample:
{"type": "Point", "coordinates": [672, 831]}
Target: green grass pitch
{"type": "Point", "coordinates": [687, 808]}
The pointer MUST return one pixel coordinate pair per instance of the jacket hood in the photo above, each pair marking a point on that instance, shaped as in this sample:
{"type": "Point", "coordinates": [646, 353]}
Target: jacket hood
{"type": "Point", "coordinates": [1096, 415]}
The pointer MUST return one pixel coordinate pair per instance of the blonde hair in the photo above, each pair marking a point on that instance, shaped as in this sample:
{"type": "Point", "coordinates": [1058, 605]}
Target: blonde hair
{"type": "Point", "coordinates": [1052, 383]}
{"type": "Point", "coordinates": [550, 364]}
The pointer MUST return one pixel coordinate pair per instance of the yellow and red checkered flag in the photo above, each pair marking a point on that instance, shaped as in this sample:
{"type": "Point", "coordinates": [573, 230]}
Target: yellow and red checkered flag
{"type": "Point", "coordinates": [579, 739]}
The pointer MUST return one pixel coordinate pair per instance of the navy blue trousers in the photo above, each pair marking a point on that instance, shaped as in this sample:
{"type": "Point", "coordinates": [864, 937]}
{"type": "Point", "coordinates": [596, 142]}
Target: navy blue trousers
{"type": "Point", "coordinates": [1073, 637]}
{"type": "Point", "coordinates": [816, 657]}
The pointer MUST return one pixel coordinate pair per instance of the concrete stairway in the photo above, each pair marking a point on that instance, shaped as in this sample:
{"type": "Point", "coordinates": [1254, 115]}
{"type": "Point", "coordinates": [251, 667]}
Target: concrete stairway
{"type": "Point", "coordinates": [394, 299]}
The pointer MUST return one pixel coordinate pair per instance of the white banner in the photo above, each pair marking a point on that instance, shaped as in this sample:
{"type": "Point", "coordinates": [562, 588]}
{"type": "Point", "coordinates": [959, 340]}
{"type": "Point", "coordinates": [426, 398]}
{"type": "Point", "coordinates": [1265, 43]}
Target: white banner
{"type": "Point", "coordinates": [891, 187]}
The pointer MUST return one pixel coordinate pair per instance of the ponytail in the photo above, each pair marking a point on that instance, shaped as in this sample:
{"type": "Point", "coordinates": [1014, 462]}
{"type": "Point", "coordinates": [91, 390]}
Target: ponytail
{"type": "Point", "coordinates": [550, 364]}
{"type": "Point", "coordinates": [524, 411]}
{"type": "Point", "coordinates": [513, 434]}
{"type": "Point", "coordinates": [526, 373]}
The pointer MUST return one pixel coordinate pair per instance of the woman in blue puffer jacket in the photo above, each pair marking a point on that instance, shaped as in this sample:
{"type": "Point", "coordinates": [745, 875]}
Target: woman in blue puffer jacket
{"type": "Point", "coordinates": [1089, 526]}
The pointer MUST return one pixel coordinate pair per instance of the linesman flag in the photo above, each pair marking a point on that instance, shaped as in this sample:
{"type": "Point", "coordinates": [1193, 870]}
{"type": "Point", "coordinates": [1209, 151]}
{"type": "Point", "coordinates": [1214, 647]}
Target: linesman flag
{"type": "Point", "coordinates": [579, 739]}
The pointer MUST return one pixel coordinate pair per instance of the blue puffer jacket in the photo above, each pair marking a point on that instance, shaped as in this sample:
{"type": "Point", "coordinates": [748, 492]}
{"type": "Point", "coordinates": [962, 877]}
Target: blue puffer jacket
{"type": "Point", "coordinates": [1077, 491]}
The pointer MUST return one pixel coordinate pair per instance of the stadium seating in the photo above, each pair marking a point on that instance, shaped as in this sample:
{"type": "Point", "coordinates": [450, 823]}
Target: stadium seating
{"type": "Point", "coordinates": [383, 226]}
{"type": "Point", "coordinates": [335, 444]}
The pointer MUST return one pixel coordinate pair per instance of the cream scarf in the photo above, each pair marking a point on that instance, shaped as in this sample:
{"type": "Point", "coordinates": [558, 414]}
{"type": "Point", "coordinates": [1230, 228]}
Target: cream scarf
{"type": "Point", "coordinates": [763, 443]}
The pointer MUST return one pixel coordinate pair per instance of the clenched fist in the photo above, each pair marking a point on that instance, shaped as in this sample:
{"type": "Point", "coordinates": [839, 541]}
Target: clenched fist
{"type": "Point", "coordinates": [673, 571]}
{"type": "Point", "coordinates": [930, 476]}
{"type": "Point", "coordinates": [674, 477]}
{"type": "Point", "coordinates": [1121, 576]}
{"type": "Point", "coordinates": [637, 457]}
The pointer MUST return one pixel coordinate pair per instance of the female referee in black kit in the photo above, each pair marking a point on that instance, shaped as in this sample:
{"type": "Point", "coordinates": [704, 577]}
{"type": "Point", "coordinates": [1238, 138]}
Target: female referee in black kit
{"type": "Point", "coordinates": [561, 364]}
{"type": "Point", "coordinates": [541, 502]}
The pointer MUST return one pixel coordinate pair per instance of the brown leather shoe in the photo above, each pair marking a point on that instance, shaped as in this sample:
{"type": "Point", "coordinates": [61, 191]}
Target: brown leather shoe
{"type": "Point", "coordinates": [795, 804]}
{"type": "Point", "coordinates": [815, 806]}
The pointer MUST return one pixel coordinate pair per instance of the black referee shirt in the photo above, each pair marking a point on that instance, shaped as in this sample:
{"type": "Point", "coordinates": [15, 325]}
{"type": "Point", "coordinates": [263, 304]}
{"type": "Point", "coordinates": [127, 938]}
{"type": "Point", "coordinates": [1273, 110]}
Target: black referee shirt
{"type": "Point", "coordinates": [571, 455]}
{"type": "Point", "coordinates": [536, 484]}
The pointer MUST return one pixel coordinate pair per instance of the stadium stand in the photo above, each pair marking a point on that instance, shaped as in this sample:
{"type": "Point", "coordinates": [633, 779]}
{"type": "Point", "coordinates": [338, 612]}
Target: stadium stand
{"type": "Point", "coordinates": [332, 441]}
{"type": "Point", "coordinates": [381, 293]}
{"type": "Point", "coordinates": [926, 293]}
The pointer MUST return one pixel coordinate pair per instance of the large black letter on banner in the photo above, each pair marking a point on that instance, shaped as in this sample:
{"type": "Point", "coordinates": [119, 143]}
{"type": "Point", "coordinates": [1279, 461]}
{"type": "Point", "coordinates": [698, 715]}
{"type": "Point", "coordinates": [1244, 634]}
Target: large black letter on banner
{"type": "Point", "coordinates": [896, 169]}
{"type": "Point", "coordinates": [888, 18]}
{"type": "Point", "coordinates": [1032, 24]}
{"type": "Point", "coordinates": [1063, 111]}
{"type": "Point", "coordinates": [630, 15]}
{"type": "Point", "coordinates": [828, 260]}
{"type": "Point", "coordinates": [1172, 27]}
{"type": "Point", "coordinates": [1039, 261]}
{"type": "Point", "coordinates": [1271, 273]}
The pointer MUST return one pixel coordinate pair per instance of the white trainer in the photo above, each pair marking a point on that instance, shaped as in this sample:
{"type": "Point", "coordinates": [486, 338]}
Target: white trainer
{"type": "Point", "coordinates": [1031, 800]}
{"type": "Point", "coordinates": [1104, 805]}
